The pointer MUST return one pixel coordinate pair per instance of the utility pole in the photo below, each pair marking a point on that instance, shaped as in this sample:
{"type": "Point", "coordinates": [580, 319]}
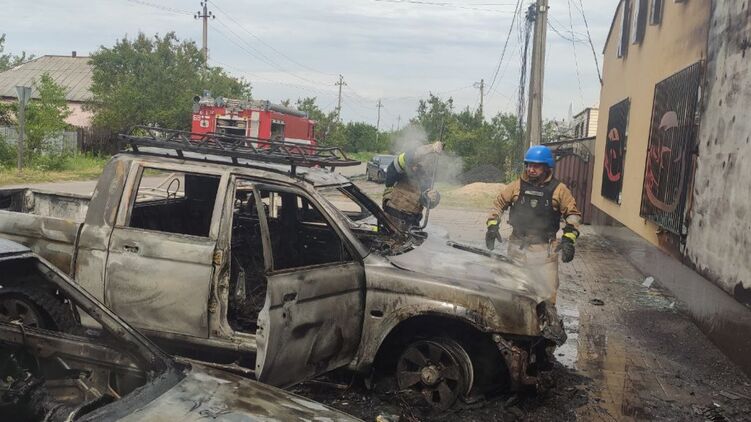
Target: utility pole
{"type": "Point", "coordinates": [340, 83]}
{"type": "Point", "coordinates": [538, 13]}
{"type": "Point", "coordinates": [24, 95]}
{"type": "Point", "coordinates": [378, 121]}
{"type": "Point", "coordinates": [481, 85]}
{"type": "Point", "coordinates": [399, 122]}
{"type": "Point", "coordinates": [205, 15]}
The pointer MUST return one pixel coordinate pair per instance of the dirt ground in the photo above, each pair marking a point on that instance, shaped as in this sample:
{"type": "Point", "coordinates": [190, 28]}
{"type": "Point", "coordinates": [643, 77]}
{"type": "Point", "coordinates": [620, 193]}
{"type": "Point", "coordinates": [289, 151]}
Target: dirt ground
{"type": "Point", "coordinates": [631, 354]}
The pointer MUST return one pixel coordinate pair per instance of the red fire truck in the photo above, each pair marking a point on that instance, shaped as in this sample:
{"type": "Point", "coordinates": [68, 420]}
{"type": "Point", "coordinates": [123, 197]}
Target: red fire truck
{"type": "Point", "coordinates": [252, 118]}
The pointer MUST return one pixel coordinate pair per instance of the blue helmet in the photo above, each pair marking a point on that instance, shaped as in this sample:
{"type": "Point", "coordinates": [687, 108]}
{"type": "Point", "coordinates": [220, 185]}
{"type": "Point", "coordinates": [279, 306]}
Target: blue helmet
{"type": "Point", "coordinates": [540, 154]}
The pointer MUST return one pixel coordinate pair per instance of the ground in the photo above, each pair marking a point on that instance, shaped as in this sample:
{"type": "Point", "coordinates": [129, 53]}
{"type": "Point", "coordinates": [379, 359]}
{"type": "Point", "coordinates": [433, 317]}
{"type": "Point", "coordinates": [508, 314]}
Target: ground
{"type": "Point", "coordinates": [631, 354]}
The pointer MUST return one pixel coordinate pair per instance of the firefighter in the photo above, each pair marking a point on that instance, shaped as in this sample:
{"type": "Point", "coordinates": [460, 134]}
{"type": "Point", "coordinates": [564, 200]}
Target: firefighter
{"type": "Point", "coordinates": [409, 181]}
{"type": "Point", "coordinates": [538, 202]}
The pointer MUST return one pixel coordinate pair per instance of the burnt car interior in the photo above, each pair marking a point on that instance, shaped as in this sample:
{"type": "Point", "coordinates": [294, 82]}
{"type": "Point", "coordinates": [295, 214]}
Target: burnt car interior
{"type": "Point", "coordinates": [299, 236]}
{"type": "Point", "coordinates": [52, 367]}
{"type": "Point", "coordinates": [182, 203]}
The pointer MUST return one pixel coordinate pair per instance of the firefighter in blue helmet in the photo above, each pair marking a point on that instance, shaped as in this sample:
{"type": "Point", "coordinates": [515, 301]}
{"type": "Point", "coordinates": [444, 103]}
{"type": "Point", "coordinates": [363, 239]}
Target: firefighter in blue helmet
{"type": "Point", "coordinates": [409, 181]}
{"type": "Point", "coordinates": [537, 203]}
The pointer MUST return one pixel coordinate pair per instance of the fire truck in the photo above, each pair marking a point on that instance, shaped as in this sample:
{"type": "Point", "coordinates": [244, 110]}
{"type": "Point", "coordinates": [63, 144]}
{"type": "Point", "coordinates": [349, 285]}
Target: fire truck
{"type": "Point", "coordinates": [256, 119]}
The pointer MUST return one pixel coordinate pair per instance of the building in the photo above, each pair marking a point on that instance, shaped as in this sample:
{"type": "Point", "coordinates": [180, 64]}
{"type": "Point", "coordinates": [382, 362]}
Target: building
{"type": "Point", "coordinates": [584, 124]}
{"type": "Point", "coordinates": [672, 156]}
{"type": "Point", "coordinates": [71, 72]}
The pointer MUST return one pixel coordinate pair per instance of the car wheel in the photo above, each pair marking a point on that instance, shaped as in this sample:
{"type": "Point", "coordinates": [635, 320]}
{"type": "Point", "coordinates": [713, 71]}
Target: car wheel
{"type": "Point", "coordinates": [440, 369]}
{"type": "Point", "coordinates": [34, 307]}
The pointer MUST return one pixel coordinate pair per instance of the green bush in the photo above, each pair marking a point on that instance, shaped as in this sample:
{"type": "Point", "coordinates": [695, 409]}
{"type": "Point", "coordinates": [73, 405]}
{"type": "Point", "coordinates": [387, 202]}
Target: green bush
{"type": "Point", "coordinates": [7, 154]}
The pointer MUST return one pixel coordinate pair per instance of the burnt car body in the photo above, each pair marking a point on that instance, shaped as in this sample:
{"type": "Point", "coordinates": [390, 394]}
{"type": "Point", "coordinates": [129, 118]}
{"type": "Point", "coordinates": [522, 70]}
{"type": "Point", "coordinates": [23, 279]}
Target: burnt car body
{"type": "Point", "coordinates": [376, 168]}
{"type": "Point", "coordinates": [53, 368]}
{"type": "Point", "coordinates": [289, 272]}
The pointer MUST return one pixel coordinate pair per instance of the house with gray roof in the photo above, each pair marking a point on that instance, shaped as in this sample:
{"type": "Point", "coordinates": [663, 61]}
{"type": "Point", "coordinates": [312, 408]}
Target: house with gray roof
{"type": "Point", "coordinates": [72, 72]}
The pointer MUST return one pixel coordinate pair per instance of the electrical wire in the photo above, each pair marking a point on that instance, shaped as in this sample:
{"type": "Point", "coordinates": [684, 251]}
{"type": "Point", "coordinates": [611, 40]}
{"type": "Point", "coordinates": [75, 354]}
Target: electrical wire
{"type": "Point", "coordinates": [576, 59]}
{"type": "Point", "coordinates": [475, 7]}
{"type": "Point", "coordinates": [505, 45]}
{"type": "Point", "coordinates": [160, 7]}
{"type": "Point", "coordinates": [260, 40]}
{"type": "Point", "coordinates": [589, 37]}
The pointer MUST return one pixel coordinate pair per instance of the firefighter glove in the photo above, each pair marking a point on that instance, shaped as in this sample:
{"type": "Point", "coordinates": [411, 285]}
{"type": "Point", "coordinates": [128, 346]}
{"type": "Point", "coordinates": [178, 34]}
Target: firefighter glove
{"type": "Point", "coordinates": [430, 198]}
{"type": "Point", "coordinates": [492, 234]}
{"type": "Point", "coordinates": [566, 246]}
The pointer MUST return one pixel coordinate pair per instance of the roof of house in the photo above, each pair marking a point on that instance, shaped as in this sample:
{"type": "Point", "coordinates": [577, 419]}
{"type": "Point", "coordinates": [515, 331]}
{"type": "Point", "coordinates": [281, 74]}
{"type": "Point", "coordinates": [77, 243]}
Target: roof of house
{"type": "Point", "coordinates": [72, 73]}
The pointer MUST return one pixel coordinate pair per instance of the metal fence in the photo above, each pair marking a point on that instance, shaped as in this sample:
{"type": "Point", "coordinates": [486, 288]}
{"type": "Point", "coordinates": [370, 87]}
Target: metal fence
{"type": "Point", "coordinates": [64, 142]}
{"type": "Point", "coordinates": [672, 140]}
{"type": "Point", "coordinates": [615, 151]}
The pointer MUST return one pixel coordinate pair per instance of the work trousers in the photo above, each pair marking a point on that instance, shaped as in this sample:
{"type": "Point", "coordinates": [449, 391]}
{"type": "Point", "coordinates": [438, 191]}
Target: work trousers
{"type": "Point", "coordinates": [541, 260]}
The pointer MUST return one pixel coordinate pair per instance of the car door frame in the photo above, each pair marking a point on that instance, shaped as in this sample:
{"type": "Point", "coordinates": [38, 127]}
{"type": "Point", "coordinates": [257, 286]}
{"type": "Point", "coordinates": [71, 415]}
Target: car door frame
{"type": "Point", "coordinates": [176, 311]}
{"type": "Point", "coordinates": [298, 335]}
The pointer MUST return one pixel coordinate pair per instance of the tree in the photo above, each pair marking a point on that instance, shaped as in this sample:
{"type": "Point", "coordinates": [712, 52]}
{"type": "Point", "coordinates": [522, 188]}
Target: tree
{"type": "Point", "coordinates": [45, 116]}
{"type": "Point", "coordinates": [328, 129]}
{"type": "Point", "coordinates": [153, 81]}
{"type": "Point", "coordinates": [8, 61]}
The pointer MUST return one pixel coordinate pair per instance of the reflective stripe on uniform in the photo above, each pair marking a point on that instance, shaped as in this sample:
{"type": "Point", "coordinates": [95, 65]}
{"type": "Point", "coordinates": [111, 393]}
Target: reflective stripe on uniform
{"type": "Point", "coordinates": [401, 162]}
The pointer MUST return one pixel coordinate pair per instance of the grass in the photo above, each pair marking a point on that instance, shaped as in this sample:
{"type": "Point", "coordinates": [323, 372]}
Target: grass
{"type": "Point", "coordinates": [54, 169]}
{"type": "Point", "coordinates": [363, 156]}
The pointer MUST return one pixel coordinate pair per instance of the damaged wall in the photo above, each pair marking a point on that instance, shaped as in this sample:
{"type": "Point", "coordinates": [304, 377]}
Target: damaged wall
{"type": "Point", "coordinates": [719, 235]}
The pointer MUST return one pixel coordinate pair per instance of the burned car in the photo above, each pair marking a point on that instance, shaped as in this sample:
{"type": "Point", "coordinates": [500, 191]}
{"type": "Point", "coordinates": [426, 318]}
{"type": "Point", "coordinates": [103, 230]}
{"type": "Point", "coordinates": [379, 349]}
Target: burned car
{"type": "Point", "coordinates": [224, 251]}
{"type": "Point", "coordinates": [63, 357]}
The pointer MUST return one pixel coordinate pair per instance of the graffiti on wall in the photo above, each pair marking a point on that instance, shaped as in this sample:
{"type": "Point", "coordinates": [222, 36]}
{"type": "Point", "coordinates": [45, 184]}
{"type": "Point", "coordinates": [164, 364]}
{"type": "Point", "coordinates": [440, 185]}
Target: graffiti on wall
{"type": "Point", "coordinates": [671, 142]}
{"type": "Point", "coordinates": [615, 151]}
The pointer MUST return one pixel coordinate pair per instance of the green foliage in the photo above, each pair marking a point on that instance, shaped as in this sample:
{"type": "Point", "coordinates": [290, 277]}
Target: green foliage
{"type": "Point", "coordinates": [471, 137]}
{"type": "Point", "coordinates": [8, 154]}
{"type": "Point", "coordinates": [153, 81]}
{"type": "Point", "coordinates": [8, 61]}
{"type": "Point", "coordinates": [45, 116]}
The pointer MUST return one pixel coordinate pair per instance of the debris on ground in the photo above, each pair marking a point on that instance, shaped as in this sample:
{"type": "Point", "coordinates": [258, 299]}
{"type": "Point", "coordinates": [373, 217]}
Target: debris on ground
{"type": "Point", "coordinates": [648, 282]}
{"type": "Point", "coordinates": [597, 302]}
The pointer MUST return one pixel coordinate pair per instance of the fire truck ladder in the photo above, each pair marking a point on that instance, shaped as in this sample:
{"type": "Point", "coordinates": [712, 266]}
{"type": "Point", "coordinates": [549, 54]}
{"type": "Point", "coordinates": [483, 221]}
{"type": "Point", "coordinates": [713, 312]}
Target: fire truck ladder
{"type": "Point", "coordinates": [236, 147]}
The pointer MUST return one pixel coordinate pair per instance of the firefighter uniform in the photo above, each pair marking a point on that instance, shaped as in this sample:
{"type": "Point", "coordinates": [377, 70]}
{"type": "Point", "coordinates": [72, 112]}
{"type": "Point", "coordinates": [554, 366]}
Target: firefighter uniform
{"type": "Point", "coordinates": [535, 214]}
{"type": "Point", "coordinates": [408, 185]}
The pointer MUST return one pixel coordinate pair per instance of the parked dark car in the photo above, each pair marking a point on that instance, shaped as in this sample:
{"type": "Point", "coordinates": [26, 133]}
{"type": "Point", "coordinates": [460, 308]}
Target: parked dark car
{"type": "Point", "coordinates": [64, 356]}
{"type": "Point", "coordinates": [376, 169]}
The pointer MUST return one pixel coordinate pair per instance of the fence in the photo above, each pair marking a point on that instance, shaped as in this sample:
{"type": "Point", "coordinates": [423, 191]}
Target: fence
{"type": "Point", "coordinates": [63, 142]}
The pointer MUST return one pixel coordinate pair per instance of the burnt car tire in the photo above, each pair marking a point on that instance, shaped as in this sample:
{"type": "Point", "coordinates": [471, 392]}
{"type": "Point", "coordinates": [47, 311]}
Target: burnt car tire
{"type": "Point", "coordinates": [440, 369]}
{"type": "Point", "coordinates": [36, 308]}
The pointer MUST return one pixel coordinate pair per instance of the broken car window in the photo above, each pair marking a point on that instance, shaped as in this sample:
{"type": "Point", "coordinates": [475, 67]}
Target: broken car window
{"type": "Point", "coordinates": [174, 202]}
{"type": "Point", "coordinates": [300, 235]}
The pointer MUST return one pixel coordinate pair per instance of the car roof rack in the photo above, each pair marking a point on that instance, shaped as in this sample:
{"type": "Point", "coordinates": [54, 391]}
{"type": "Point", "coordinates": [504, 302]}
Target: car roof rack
{"type": "Point", "coordinates": [236, 147]}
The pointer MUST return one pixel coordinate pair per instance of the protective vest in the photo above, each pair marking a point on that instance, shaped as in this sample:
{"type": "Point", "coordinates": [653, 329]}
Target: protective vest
{"type": "Point", "coordinates": [404, 196]}
{"type": "Point", "coordinates": [532, 214]}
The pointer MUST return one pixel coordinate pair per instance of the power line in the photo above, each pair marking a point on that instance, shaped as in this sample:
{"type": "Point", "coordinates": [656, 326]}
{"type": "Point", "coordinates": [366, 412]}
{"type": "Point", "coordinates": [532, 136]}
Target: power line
{"type": "Point", "coordinates": [475, 7]}
{"type": "Point", "coordinates": [505, 45]}
{"type": "Point", "coordinates": [160, 7]}
{"type": "Point", "coordinates": [589, 37]}
{"type": "Point", "coordinates": [576, 59]}
{"type": "Point", "coordinates": [265, 43]}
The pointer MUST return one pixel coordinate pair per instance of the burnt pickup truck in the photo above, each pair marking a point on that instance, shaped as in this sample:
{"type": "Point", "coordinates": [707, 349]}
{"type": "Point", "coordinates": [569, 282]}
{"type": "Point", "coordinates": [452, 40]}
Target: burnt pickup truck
{"type": "Point", "coordinates": [224, 250]}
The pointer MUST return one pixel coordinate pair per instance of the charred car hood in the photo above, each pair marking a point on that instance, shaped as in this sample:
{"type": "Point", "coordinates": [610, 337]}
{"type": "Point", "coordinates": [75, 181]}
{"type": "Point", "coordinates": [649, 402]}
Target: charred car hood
{"type": "Point", "coordinates": [461, 268]}
{"type": "Point", "coordinates": [209, 394]}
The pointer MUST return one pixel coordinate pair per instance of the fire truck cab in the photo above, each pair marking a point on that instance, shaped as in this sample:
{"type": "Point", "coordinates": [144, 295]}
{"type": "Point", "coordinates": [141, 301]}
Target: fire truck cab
{"type": "Point", "coordinates": [258, 119]}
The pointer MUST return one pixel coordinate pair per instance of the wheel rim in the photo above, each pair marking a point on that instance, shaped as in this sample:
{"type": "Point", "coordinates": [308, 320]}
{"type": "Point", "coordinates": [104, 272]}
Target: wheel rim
{"type": "Point", "coordinates": [15, 309]}
{"type": "Point", "coordinates": [440, 370]}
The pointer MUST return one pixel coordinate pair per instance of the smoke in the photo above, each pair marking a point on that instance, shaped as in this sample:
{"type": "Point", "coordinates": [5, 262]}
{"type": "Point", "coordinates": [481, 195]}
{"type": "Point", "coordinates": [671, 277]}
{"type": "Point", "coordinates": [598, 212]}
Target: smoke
{"type": "Point", "coordinates": [450, 165]}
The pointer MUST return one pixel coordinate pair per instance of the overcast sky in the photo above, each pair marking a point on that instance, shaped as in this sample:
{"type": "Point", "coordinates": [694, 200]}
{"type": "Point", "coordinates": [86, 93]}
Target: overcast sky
{"type": "Point", "coordinates": [396, 50]}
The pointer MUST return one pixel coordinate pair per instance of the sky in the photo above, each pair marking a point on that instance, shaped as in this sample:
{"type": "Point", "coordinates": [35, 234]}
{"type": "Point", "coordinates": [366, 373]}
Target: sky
{"type": "Point", "coordinates": [397, 51]}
